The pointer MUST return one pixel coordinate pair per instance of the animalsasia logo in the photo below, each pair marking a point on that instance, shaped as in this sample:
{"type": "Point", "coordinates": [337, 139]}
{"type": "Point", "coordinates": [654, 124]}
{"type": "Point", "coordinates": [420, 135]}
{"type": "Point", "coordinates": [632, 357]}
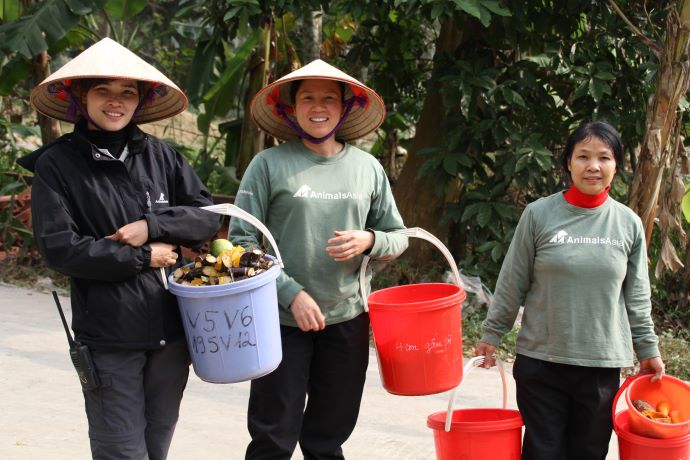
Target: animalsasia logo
{"type": "Point", "coordinates": [306, 191]}
{"type": "Point", "coordinates": [559, 237]}
{"type": "Point", "coordinates": [303, 192]}
{"type": "Point", "coordinates": [562, 237]}
{"type": "Point", "coordinates": [161, 199]}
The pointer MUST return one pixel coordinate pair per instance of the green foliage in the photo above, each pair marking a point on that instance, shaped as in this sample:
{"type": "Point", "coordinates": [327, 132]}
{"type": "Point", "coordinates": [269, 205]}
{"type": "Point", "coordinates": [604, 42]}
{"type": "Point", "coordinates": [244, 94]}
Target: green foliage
{"type": "Point", "coordinates": [675, 352]}
{"type": "Point", "coordinates": [125, 9]}
{"type": "Point", "coordinates": [10, 10]}
{"type": "Point", "coordinates": [13, 232]}
{"type": "Point", "coordinates": [685, 204]}
{"type": "Point", "coordinates": [513, 91]}
{"type": "Point", "coordinates": [670, 299]}
{"type": "Point", "coordinates": [30, 35]}
{"type": "Point", "coordinates": [48, 25]}
{"type": "Point", "coordinates": [472, 333]}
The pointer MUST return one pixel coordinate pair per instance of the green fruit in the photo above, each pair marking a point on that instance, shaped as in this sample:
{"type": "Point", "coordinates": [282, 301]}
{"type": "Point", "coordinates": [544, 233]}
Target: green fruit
{"type": "Point", "coordinates": [220, 245]}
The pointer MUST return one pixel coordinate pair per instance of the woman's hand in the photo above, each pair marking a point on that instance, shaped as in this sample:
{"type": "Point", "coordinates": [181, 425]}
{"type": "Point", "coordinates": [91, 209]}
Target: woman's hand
{"type": "Point", "coordinates": [134, 234]}
{"type": "Point", "coordinates": [162, 255]}
{"type": "Point", "coordinates": [307, 313]}
{"type": "Point", "coordinates": [349, 243]}
{"type": "Point", "coordinates": [653, 366]}
{"type": "Point", "coordinates": [487, 351]}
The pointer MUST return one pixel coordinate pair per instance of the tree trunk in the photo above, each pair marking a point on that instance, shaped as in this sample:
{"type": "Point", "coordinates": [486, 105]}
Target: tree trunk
{"type": "Point", "coordinates": [391, 149]}
{"type": "Point", "coordinates": [50, 127]}
{"type": "Point", "coordinates": [662, 117]}
{"type": "Point", "coordinates": [311, 34]}
{"type": "Point", "coordinates": [415, 195]}
{"type": "Point", "coordinates": [251, 138]}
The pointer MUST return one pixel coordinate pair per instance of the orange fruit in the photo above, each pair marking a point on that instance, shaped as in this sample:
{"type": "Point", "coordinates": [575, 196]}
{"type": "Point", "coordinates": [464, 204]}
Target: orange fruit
{"type": "Point", "coordinates": [675, 416]}
{"type": "Point", "coordinates": [663, 407]}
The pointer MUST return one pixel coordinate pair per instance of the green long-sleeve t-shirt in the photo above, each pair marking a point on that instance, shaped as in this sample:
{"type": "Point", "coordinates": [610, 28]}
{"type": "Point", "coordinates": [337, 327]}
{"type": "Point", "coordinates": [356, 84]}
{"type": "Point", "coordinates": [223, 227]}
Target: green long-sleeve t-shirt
{"type": "Point", "coordinates": [302, 198]}
{"type": "Point", "coordinates": [582, 276]}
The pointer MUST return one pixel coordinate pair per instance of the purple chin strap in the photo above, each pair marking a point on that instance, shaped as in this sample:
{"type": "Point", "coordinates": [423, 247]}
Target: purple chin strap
{"type": "Point", "coordinates": [280, 108]}
{"type": "Point", "coordinates": [76, 105]}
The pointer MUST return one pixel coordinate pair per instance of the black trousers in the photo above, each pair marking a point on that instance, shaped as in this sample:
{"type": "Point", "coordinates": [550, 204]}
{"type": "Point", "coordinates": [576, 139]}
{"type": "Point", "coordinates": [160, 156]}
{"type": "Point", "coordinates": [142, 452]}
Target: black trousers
{"type": "Point", "coordinates": [327, 369]}
{"type": "Point", "coordinates": [132, 416]}
{"type": "Point", "coordinates": [566, 409]}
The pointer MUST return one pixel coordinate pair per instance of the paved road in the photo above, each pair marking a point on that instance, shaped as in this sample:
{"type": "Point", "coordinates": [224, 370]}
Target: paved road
{"type": "Point", "coordinates": [42, 415]}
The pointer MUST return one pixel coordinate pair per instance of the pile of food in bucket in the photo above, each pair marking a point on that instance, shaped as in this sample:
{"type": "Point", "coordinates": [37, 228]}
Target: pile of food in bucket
{"type": "Point", "coordinates": [225, 263]}
{"type": "Point", "coordinates": [662, 413]}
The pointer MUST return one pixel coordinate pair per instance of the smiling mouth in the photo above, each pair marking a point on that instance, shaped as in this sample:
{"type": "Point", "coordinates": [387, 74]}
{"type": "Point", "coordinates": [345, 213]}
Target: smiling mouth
{"type": "Point", "coordinates": [318, 119]}
{"type": "Point", "coordinates": [114, 114]}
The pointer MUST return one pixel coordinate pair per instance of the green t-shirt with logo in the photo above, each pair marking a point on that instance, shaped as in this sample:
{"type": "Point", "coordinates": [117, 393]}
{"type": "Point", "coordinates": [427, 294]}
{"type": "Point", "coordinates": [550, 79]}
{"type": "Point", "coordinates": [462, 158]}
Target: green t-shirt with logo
{"type": "Point", "coordinates": [582, 277]}
{"type": "Point", "coordinates": [302, 198]}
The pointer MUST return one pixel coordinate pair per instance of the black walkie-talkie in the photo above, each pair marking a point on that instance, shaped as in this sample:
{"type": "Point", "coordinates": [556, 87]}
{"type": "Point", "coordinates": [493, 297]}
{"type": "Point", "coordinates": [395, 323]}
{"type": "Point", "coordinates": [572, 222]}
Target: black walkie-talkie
{"type": "Point", "coordinates": [80, 354]}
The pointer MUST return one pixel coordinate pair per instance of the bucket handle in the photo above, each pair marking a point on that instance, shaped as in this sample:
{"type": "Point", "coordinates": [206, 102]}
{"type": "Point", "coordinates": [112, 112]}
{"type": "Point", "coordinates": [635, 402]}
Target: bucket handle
{"type": "Point", "coordinates": [235, 211]}
{"type": "Point", "coordinates": [417, 233]}
{"type": "Point", "coordinates": [471, 364]}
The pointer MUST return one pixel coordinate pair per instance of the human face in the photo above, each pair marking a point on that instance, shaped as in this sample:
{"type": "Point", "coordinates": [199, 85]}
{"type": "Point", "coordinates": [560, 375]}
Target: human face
{"type": "Point", "coordinates": [592, 166]}
{"type": "Point", "coordinates": [111, 104]}
{"type": "Point", "coordinates": [318, 106]}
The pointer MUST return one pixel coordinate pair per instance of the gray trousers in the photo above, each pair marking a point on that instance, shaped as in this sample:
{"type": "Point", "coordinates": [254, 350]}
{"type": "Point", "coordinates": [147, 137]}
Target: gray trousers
{"type": "Point", "coordinates": [132, 416]}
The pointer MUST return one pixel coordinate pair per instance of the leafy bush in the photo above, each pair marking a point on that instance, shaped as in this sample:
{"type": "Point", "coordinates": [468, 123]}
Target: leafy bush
{"type": "Point", "coordinates": [14, 235]}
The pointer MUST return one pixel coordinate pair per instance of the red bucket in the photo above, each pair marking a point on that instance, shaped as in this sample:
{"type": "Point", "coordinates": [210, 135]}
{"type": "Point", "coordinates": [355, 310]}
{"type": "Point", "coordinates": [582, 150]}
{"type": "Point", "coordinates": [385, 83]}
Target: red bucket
{"type": "Point", "coordinates": [634, 447]}
{"type": "Point", "coordinates": [417, 330]}
{"type": "Point", "coordinates": [477, 434]}
{"type": "Point", "coordinates": [418, 334]}
{"type": "Point", "coordinates": [670, 389]}
{"type": "Point", "coordinates": [631, 444]}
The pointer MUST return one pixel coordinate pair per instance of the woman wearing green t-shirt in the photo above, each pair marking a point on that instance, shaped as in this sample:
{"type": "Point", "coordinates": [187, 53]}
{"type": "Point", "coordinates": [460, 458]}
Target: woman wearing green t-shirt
{"type": "Point", "coordinates": [578, 265]}
{"type": "Point", "coordinates": [326, 204]}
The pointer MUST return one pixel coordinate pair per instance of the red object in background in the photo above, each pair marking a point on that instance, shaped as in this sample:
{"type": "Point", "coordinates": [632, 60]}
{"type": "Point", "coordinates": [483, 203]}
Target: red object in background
{"type": "Point", "coordinates": [21, 210]}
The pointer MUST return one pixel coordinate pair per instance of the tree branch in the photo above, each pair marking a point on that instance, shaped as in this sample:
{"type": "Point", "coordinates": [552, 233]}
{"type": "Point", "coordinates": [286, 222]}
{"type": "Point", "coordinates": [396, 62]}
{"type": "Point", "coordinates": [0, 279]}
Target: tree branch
{"type": "Point", "coordinates": [646, 40]}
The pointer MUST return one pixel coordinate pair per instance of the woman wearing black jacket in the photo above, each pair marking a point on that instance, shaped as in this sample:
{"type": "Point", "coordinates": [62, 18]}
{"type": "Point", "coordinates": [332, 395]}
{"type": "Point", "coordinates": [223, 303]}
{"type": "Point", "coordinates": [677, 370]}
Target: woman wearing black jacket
{"type": "Point", "coordinates": [110, 206]}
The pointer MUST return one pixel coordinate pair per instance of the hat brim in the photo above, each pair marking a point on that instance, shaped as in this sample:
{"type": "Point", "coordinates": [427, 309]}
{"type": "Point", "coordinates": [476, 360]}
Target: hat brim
{"type": "Point", "coordinates": [109, 60]}
{"type": "Point", "coordinates": [360, 122]}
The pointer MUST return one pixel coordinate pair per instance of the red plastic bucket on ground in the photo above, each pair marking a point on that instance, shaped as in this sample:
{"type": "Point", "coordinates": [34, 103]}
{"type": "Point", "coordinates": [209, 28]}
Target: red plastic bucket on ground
{"type": "Point", "coordinates": [418, 334]}
{"type": "Point", "coordinates": [635, 447]}
{"type": "Point", "coordinates": [477, 434]}
{"type": "Point", "coordinates": [417, 331]}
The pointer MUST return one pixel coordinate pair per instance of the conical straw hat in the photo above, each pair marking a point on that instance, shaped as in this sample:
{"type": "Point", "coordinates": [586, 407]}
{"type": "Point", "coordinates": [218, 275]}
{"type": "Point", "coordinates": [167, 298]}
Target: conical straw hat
{"type": "Point", "coordinates": [360, 122]}
{"type": "Point", "coordinates": [108, 59]}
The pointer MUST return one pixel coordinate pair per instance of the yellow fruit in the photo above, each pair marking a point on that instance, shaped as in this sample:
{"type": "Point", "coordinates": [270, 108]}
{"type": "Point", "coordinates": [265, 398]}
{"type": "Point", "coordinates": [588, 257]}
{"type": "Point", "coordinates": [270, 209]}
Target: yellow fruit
{"type": "Point", "coordinates": [236, 254]}
{"type": "Point", "coordinates": [663, 407]}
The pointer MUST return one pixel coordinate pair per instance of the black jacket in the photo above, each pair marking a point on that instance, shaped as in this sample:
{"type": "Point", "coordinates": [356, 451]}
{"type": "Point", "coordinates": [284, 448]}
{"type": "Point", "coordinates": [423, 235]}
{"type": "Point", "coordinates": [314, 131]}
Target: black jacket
{"type": "Point", "coordinates": [80, 195]}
